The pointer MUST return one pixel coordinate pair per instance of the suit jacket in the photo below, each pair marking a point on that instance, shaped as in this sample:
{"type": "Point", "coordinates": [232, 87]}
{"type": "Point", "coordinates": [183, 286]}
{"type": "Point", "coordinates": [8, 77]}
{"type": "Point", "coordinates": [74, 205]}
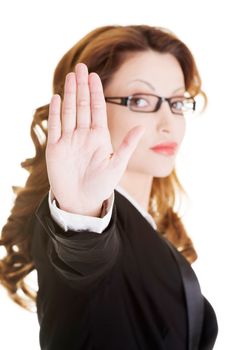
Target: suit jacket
{"type": "Point", "coordinates": [121, 289]}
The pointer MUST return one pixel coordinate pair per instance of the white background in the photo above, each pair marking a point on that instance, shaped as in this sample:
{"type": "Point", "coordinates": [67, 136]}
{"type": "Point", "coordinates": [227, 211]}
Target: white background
{"type": "Point", "coordinates": [35, 35]}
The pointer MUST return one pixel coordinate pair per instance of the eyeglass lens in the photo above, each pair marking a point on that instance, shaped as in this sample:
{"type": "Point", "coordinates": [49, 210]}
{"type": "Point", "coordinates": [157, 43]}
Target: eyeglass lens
{"type": "Point", "coordinates": [150, 103]}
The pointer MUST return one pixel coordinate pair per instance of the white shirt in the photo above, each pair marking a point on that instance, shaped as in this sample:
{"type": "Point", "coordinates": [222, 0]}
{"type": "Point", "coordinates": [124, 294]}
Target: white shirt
{"type": "Point", "coordinates": [76, 222]}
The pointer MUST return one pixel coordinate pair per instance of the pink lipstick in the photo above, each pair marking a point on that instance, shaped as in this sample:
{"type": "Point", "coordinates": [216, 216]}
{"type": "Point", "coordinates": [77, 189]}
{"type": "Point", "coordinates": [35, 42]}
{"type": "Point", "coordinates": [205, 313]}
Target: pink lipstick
{"type": "Point", "coordinates": [168, 148]}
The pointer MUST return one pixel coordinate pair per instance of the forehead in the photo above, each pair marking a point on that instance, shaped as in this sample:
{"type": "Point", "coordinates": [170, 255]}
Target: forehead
{"type": "Point", "coordinates": [161, 71]}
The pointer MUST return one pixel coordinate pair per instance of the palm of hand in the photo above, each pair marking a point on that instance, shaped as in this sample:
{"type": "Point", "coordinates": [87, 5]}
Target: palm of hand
{"type": "Point", "coordinates": [80, 172]}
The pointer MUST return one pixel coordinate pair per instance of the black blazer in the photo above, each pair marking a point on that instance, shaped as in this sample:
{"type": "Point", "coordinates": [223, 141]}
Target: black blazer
{"type": "Point", "coordinates": [121, 289]}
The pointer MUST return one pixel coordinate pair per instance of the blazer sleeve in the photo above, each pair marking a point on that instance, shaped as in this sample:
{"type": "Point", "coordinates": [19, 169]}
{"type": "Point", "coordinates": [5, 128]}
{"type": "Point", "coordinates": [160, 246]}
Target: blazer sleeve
{"type": "Point", "coordinates": [82, 257]}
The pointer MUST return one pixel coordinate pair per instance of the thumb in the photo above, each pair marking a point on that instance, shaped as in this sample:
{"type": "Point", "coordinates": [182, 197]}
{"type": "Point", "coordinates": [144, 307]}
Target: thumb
{"type": "Point", "coordinates": [129, 144]}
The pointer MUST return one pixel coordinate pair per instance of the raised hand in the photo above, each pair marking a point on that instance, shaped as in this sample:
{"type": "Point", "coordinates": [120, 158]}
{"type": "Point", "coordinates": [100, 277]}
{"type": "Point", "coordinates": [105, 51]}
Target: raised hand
{"type": "Point", "coordinates": [81, 173]}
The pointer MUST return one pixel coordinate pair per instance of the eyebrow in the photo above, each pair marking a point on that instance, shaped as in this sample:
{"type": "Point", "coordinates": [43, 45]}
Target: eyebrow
{"type": "Point", "coordinates": [152, 87]}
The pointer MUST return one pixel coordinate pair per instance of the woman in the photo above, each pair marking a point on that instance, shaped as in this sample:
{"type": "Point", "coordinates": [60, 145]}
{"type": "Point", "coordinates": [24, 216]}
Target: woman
{"type": "Point", "coordinates": [96, 217]}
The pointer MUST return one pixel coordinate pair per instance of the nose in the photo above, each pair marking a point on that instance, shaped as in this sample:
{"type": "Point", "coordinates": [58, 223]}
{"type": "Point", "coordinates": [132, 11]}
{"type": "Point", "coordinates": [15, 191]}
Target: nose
{"type": "Point", "coordinates": [164, 120]}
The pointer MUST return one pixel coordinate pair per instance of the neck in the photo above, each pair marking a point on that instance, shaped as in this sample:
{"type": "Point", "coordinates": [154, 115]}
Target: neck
{"type": "Point", "coordinates": [138, 185]}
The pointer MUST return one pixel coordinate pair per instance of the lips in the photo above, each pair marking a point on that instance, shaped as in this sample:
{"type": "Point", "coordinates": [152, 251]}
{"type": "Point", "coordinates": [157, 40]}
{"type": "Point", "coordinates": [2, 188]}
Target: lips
{"type": "Point", "coordinates": [165, 148]}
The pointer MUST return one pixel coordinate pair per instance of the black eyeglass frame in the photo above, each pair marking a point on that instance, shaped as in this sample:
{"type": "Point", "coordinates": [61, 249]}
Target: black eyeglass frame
{"type": "Point", "coordinates": [125, 101]}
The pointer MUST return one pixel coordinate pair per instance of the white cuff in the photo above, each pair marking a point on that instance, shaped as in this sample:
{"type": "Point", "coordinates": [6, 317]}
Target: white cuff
{"type": "Point", "coordinates": [76, 222]}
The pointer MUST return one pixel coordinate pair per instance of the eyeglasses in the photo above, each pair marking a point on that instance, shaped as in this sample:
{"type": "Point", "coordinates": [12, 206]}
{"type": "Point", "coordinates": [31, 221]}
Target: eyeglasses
{"type": "Point", "coordinates": [148, 103]}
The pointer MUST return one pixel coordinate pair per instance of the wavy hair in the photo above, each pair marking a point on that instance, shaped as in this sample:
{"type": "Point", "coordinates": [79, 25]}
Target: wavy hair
{"type": "Point", "coordinates": [103, 50]}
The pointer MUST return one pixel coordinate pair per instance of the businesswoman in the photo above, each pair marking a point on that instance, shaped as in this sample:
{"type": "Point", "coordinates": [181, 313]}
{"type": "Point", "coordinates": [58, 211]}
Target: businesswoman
{"type": "Point", "coordinates": [96, 217]}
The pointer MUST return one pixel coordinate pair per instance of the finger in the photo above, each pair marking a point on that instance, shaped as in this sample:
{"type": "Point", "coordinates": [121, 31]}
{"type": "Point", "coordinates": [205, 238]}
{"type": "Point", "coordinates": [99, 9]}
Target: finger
{"type": "Point", "coordinates": [83, 114]}
{"type": "Point", "coordinates": [69, 105]}
{"type": "Point", "coordinates": [98, 104]}
{"type": "Point", "coordinates": [129, 144]}
{"type": "Point", "coordinates": [54, 122]}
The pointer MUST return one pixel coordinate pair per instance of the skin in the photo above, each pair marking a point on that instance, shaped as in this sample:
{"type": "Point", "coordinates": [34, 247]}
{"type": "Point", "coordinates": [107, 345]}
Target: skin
{"type": "Point", "coordinates": [83, 130]}
{"type": "Point", "coordinates": [162, 75]}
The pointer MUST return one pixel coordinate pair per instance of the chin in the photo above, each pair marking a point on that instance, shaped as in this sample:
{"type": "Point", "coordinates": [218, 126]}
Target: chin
{"type": "Point", "coordinates": [163, 172]}
{"type": "Point", "coordinates": [162, 175]}
{"type": "Point", "coordinates": [156, 169]}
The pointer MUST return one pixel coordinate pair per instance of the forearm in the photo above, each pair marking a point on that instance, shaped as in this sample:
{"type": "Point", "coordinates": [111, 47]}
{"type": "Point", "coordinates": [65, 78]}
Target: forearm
{"type": "Point", "coordinates": [80, 257]}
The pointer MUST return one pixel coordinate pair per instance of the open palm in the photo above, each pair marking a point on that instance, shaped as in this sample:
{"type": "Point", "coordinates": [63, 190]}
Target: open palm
{"type": "Point", "coordinates": [81, 173]}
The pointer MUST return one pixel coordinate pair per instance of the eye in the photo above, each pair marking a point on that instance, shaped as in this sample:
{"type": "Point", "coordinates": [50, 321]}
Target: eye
{"type": "Point", "coordinates": [142, 103]}
{"type": "Point", "coordinates": [139, 102]}
{"type": "Point", "coordinates": [182, 105]}
{"type": "Point", "coordinates": [177, 105]}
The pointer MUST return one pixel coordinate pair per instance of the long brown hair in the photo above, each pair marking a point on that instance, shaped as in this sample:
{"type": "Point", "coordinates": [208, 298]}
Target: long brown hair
{"type": "Point", "coordinates": [103, 50]}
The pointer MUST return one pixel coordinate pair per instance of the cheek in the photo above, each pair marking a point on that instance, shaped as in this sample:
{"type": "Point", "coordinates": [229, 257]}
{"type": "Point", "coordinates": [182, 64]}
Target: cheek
{"type": "Point", "coordinates": [180, 129]}
{"type": "Point", "coordinates": [118, 128]}
{"type": "Point", "coordinates": [183, 130]}
{"type": "Point", "coordinates": [119, 124]}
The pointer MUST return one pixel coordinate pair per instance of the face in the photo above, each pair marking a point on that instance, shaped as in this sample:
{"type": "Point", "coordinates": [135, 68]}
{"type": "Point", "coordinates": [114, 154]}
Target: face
{"type": "Point", "coordinates": [154, 73]}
